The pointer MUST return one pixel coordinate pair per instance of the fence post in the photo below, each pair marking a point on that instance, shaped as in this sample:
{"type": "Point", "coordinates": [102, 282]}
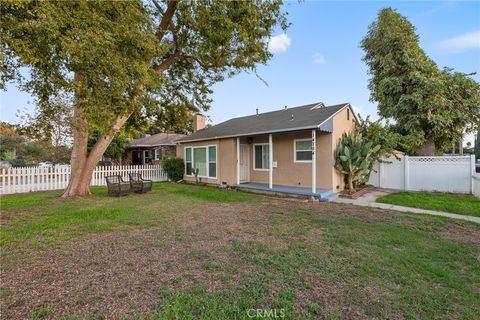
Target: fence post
{"type": "Point", "coordinates": [406, 172]}
{"type": "Point", "coordinates": [472, 171]}
{"type": "Point", "coordinates": [380, 172]}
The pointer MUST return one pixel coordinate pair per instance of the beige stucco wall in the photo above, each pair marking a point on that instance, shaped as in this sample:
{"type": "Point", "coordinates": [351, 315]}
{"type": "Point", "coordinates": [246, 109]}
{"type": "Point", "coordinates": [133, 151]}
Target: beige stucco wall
{"type": "Point", "coordinates": [340, 124]}
{"type": "Point", "coordinates": [287, 171]}
{"type": "Point", "coordinates": [226, 160]}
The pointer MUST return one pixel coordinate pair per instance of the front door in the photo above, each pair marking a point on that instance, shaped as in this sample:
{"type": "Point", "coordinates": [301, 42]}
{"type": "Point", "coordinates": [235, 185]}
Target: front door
{"type": "Point", "coordinates": [244, 167]}
{"type": "Point", "coordinates": [136, 157]}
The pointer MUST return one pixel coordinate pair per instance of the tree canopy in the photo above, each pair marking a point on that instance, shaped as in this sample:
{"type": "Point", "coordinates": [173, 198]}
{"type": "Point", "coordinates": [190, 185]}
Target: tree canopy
{"type": "Point", "coordinates": [119, 61]}
{"type": "Point", "coordinates": [437, 106]}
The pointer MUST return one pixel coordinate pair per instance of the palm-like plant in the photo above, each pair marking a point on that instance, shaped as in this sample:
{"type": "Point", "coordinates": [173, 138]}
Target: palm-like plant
{"type": "Point", "coordinates": [353, 157]}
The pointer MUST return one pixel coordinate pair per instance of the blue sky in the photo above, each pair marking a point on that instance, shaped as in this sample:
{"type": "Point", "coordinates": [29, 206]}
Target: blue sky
{"type": "Point", "coordinates": [319, 58]}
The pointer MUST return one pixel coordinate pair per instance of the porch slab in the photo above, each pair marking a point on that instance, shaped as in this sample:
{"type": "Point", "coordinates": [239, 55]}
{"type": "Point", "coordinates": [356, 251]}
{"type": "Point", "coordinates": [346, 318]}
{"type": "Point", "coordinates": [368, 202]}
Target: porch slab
{"type": "Point", "coordinates": [321, 194]}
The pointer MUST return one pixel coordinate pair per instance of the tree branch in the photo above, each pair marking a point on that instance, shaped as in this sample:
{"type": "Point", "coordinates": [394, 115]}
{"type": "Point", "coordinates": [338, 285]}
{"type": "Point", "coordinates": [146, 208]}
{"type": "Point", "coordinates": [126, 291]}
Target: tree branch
{"type": "Point", "coordinates": [158, 6]}
{"type": "Point", "coordinates": [166, 19]}
{"type": "Point", "coordinates": [167, 63]}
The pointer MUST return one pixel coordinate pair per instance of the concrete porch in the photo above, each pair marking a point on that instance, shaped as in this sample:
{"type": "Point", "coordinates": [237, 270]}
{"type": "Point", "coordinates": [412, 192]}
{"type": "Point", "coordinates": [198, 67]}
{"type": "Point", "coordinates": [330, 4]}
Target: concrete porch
{"type": "Point", "coordinates": [321, 194]}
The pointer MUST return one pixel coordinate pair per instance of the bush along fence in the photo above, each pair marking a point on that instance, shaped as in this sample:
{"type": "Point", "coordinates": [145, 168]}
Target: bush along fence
{"type": "Point", "coordinates": [454, 174]}
{"type": "Point", "coordinates": [29, 179]}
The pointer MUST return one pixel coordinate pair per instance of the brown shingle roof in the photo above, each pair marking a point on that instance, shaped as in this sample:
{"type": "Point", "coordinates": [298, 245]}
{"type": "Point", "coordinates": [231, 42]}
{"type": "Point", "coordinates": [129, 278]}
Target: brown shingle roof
{"type": "Point", "coordinates": [304, 117]}
{"type": "Point", "coordinates": [155, 140]}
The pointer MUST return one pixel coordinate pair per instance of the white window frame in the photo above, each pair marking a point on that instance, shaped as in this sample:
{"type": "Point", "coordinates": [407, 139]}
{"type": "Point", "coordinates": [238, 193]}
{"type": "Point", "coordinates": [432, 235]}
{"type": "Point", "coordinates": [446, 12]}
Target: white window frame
{"type": "Point", "coordinates": [295, 150]}
{"type": "Point", "coordinates": [254, 156]}
{"type": "Point", "coordinates": [145, 152]}
{"type": "Point", "coordinates": [185, 157]}
{"type": "Point", "coordinates": [212, 161]}
{"type": "Point", "coordinates": [157, 154]}
{"type": "Point", "coordinates": [208, 161]}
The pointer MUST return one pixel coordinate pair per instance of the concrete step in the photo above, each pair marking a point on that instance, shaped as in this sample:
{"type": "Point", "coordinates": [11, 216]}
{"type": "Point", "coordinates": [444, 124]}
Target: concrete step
{"type": "Point", "coordinates": [328, 196]}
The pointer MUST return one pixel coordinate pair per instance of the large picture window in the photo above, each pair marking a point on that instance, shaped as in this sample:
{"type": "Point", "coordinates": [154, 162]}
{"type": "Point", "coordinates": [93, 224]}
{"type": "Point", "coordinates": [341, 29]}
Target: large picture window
{"type": "Point", "coordinates": [200, 161]}
{"type": "Point", "coordinates": [202, 158]}
{"type": "Point", "coordinates": [303, 150]}
{"type": "Point", "coordinates": [261, 156]}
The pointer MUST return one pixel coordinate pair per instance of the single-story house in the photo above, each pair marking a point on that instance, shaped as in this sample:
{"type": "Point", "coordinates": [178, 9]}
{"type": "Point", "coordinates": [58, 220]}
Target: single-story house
{"type": "Point", "coordinates": [150, 149]}
{"type": "Point", "coordinates": [287, 151]}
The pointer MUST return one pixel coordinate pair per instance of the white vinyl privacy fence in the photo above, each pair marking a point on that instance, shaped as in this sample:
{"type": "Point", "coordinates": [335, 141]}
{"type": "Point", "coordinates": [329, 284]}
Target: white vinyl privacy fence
{"type": "Point", "coordinates": [476, 184]}
{"type": "Point", "coordinates": [446, 174]}
{"type": "Point", "coordinates": [28, 179]}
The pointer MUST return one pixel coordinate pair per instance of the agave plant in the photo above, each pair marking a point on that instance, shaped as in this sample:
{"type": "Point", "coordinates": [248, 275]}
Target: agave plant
{"type": "Point", "coordinates": [353, 157]}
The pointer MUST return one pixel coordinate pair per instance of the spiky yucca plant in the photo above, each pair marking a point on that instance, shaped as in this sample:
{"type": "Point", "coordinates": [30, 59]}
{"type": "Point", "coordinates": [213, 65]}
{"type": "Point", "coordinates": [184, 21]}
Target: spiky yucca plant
{"type": "Point", "coordinates": [353, 157]}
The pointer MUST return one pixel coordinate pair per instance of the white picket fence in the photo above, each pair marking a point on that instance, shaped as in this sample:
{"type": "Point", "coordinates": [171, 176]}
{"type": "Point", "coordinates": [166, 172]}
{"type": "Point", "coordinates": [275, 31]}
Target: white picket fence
{"type": "Point", "coordinates": [29, 179]}
{"type": "Point", "coordinates": [446, 174]}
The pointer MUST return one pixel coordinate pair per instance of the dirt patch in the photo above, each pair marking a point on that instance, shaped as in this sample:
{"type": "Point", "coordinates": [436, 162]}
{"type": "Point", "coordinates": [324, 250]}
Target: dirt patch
{"type": "Point", "coordinates": [358, 193]}
{"type": "Point", "coordinates": [7, 215]}
{"type": "Point", "coordinates": [462, 232]}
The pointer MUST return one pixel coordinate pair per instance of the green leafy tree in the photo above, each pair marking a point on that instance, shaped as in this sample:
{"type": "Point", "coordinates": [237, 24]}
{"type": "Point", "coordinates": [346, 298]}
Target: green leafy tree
{"type": "Point", "coordinates": [354, 156]}
{"type": "Point", "coordinates": [387, 136]}
{"type": "Point", "coordinates": [51, 127]}
{"type": "Point", "coordinates": [172, 118]}
{"type": "Point", "coordinates": [437, 106]}
{"type": "Point", "coordinates": [118, 60]}
{"type": "Point", "coordinates": [8, 129]}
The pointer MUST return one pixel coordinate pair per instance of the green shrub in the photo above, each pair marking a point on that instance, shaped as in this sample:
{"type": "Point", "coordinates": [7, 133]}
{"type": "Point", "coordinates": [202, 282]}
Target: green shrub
{"type": "Point", "coordinates": [174, 167]}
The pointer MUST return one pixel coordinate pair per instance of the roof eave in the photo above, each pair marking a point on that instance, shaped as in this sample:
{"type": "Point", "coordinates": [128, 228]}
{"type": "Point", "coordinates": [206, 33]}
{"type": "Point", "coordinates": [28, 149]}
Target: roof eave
{"type": "Point", "coordinates": [251, 134]}
{"type": "Point", "coordinates": [151, 145]}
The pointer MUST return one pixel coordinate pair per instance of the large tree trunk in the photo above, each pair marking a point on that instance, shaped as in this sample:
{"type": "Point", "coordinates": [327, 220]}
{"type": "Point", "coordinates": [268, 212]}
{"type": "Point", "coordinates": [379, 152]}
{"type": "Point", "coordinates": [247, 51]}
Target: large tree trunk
{"type": "Point", "coordinates": [80, 140]}
{"type": "Point", "coordinates": [427, 148]}
{"type": "Point", "coordinates": [84, 165]}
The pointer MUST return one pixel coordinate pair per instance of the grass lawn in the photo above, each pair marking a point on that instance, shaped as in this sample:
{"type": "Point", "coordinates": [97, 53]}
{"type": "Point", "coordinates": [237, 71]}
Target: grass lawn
{"type": "Point", "coordinates": [449, 202]}
{"type": "Point", "coordinates": [190, 252]}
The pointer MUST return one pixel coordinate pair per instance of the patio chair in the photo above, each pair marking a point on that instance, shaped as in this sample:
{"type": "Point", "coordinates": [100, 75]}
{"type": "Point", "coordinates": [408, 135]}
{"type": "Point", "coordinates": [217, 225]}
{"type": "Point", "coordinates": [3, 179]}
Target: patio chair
{"type": "Point", "coordinates": [117, 187]}
{"type": "Point", "coordinates": [138, 184]}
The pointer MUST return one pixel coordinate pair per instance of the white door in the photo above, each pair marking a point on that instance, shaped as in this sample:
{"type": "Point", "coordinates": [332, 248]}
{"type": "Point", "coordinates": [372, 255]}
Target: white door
{"type": "Point", "coordinates": [244, 168]}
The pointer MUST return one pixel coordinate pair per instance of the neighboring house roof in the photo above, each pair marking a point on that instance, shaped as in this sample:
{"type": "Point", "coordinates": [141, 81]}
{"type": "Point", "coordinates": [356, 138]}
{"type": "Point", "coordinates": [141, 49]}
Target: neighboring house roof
{"type": "Point", "coordinates": [310, 116]}
{"type": "Point", "coordinates": [155, 140]}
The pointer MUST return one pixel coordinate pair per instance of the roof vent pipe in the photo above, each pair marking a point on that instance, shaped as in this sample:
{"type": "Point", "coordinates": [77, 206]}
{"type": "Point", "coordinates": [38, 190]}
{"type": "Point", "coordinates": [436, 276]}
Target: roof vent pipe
{"type": "Point", "coordinates": [257, 111]}
{"type": "Point", "coordinates": [292, 118]}
{"type": "Point", "coordinates": [285, 107]}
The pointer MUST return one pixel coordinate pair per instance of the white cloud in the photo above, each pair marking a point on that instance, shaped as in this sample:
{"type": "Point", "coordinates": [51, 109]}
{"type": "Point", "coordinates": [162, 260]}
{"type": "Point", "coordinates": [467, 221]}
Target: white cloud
{"type": "Point", "coordinates": [279, 43]}
{"type": "Point", "coordinates": [470, 40]}
{"type": "Point", "coordinates": [319, 59]}
{"type": "Point", "coordinates": [442, 7]}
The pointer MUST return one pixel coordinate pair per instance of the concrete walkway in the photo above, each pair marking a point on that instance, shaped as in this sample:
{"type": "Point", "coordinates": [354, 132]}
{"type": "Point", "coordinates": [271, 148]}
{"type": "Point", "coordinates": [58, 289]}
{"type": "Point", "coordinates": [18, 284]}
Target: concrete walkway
{"type": "Point", "coordinates": [368, 200]}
